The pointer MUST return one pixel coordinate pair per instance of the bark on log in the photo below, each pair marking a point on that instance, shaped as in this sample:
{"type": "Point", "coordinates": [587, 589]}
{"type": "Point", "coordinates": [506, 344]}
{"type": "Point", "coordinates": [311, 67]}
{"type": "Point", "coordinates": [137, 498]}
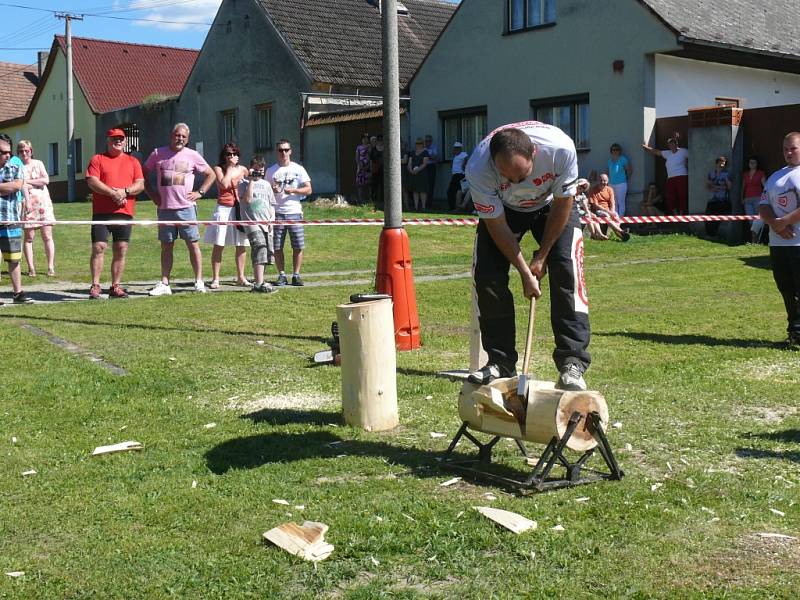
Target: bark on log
{"type": "Point", "coordinates": [369, 364]}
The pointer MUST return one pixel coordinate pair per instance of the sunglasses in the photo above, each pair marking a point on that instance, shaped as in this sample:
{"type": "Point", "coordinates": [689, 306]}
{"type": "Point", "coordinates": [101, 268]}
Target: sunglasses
{"type": "Point", "coordinates": [231, 154]}
{"type": "Point", "coordinates": [284, 149]}
{"type": "Point", "coordinates": [4, 152]}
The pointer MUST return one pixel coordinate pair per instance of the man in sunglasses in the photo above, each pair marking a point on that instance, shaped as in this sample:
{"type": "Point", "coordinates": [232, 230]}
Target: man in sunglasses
{"type": "Point", "coordinates": [290, 183]}
{"type": "Point", "coordinates": [176, 166]}
{"type": "Point", "coordinates": [523, 178]}
{"type": "Point", "coordinates": [12, 179]}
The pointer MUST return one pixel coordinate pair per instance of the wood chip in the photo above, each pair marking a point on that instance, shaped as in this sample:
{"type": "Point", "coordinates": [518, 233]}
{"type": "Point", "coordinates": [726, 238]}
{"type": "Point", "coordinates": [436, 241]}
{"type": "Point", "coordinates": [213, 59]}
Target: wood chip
{"type": "Point", "coordinates": [194, 484]}
{"type": "Point", "coordinates": [299, 507]}
{"type": "Point", "coordinates": [776, 536]}
{"type": "Point", "coordinates": [428, 397]}
{"type": "Point", "coordinates": [13, 439]}
{"type": "Point", "coordinates": [120, 447]}
{"type": "Point", "coordinates": [655, 486]}
{"type": "Point", "coordinates": [280, 501]}
{"type": "Point", "coordinates": [628, 448]}
{"type": "Point", "coordinates": [436, 434]}
{"type": "Point", "coordinates": [489, 496]}
{"type": "Point", "coordinates": [617, 425]}
{"type": "Point", "coordinates": [15, 573]}
{"type": "Point", "coordinates": [774, 511]}
{"type": "Point", "coordinates": [260, 342]}
{"type": "Point", "coordinates": [558, 527]}
{"type": "Point", "coordinates": [510, 520]}
{"type": "Point", "coordinates": [28, 472]}
{"type": "Point", "coordinates": [450, 482]}
{"type": "Point", "coordinates": [306, 540]}
{"type": "Point", "coordinates": [583, 499]}
{"type": "Point", "coordinates": [374, 561]}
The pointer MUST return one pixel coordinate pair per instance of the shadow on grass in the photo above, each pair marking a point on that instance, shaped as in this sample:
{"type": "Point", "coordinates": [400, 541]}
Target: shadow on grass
{"type": "Point", "coordinates": [757, 262]}
{"type": "Point", "coordinates": [691, 339]}
{"type": "Point", "coordinates": [791, 436]}
{"type": "Point", "coordinates": [275, 416]}
{"type": "Point", "coordinates": [181, 329]}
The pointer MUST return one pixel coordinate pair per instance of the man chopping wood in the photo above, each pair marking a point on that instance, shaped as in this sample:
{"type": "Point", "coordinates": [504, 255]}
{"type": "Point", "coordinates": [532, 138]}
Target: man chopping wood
{"type": "Point", "coordinates": [522, 178]}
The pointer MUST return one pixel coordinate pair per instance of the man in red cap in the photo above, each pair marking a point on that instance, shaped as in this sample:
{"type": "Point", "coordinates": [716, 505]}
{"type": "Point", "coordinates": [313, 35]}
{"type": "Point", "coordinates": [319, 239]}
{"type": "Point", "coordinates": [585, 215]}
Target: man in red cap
{"type": "Point", "coordinates": [115, 179]}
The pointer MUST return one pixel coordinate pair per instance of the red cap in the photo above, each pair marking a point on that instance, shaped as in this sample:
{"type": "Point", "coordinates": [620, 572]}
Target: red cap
{"type": "Point", "coordinates": [115, 133]}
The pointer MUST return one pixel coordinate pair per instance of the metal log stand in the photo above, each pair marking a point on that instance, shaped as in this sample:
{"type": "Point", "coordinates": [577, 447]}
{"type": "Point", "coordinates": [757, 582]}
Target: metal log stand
{"type": "Point", "coordinates": [575, 473]}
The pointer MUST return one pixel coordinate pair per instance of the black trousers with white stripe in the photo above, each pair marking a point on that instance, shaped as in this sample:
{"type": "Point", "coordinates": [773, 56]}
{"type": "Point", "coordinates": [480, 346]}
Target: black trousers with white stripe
{"type": "Point", "coordinates": [786, 272]}
{"type": "Point", "coordinates": [569, 310]}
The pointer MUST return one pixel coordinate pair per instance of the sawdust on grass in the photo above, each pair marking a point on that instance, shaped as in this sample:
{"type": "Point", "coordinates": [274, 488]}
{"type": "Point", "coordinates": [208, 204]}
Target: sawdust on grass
{"type": "Point", "coordinates": [295, 401]}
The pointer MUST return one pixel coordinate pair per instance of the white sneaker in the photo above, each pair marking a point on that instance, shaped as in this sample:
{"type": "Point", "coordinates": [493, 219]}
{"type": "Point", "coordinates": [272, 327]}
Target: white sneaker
{"type": "Point", "coordinates": [571, 379]}
{"type": "Point", "coordinates": [161, 289]}
{"type": "Point", "coordinates": [199, 286]}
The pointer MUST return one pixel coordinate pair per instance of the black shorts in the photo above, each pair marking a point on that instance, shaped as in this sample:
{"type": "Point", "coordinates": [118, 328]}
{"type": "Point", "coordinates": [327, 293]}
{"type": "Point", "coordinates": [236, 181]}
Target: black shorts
{"type": "Point", "coordinates": [120, 233]}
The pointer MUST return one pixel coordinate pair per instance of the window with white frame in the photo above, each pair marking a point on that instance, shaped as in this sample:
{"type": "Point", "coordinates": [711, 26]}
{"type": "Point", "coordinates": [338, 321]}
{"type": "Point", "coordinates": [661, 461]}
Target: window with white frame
{"type": "Point", "coordinates": [227, 126]}
{"type": "Point", "coordinates": [263, 127]}
{"type": "Point", "coordinates": [568, 113]}
{"type": "Point", "coordinates": [467, 126]}
{"type": "Point", "coordinates": [525, 14]}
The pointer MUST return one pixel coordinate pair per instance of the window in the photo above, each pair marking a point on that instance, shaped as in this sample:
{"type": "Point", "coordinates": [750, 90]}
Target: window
{"type": "Point", "coordinates": [726, 102]}
{"type": "Point", "coordinates": [52, 158]}
{"type": "Point", "coordinates": [131, 137]}
{"type": "Point", "coordinates": [467, 126]}
{"type": "Point", "coordinates": [568, 113]}
{"type": "Point", "coordinates": [263, 127]}
{"type": "Point", "coordinates": [525, 14]}
{"type": "Point", "coordinates": [78, 155]}
{"type": "Point", "coordinates": [227, 130]}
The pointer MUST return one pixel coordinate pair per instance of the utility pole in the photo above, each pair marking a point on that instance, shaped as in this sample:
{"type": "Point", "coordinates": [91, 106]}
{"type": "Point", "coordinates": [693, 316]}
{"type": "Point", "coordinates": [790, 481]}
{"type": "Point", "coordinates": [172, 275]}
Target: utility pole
{"type": "Point", "coordinates": [68, 18]}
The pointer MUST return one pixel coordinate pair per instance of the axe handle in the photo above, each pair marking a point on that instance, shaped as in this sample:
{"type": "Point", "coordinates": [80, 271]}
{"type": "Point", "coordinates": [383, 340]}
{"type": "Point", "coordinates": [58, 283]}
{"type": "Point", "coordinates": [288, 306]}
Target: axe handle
{"type": "Point", "coordinates": [527, 356]}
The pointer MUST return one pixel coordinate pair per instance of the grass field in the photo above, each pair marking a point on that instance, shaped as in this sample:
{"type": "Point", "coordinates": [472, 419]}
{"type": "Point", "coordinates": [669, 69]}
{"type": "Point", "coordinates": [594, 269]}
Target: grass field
{"type": "Point", "coordinates": [686, 349]}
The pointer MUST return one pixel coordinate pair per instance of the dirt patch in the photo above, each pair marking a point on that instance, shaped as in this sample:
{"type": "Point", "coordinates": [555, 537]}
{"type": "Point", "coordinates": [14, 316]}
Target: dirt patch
{"type": "Point", "coordinates": [766, 414]}
{"type": "Point", "coordinates": [781, 371]}
{"type": "Point", "coordinates": [753, 561]}
{"type": "Point", "coordinates": [283, 402]}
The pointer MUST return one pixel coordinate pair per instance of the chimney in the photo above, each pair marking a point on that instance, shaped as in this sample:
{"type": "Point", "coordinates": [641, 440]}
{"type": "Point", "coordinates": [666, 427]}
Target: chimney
{"type": "Point", "coordinates": [41, 59]}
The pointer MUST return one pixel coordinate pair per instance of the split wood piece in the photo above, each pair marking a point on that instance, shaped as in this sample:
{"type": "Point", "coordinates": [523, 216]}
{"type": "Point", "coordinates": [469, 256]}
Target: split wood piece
{"type": "Point", "coordinates": [306, 540]}
{"type": "Point", "coordinates": [120, 447]}
{"type": "Point", "coordinates": [496, 409]}
{"type": "Point", "coordinates": [369, 364]}
{"type": "Point", "coordinates": [510, 520]}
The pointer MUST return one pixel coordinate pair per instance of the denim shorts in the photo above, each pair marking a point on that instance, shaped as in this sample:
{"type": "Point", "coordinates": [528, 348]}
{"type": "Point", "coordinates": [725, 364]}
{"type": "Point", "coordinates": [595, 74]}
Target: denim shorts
{"type": "Point", "coordinates": [170, 233]}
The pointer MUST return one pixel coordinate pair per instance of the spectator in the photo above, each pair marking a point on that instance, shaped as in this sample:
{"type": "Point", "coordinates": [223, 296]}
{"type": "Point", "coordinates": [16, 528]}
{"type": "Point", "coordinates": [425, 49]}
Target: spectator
{"type": "Point", "coordinates": [753, 182]}
{"type": "Point", "coordinates": [522, 179]}
{"type": "Point", "coordinates": [362, 170]}
{"type": "Point", "coordinates": [677, 162]}
{"type": "Point", "coordinates": [417, 165]}
{"type": "Point", "coordinates": [619, 172]}
{"type": "Point", "coordinates": [457, 175]}
{"type": "Point", "coordinates": [780, 209]}
{"type": "Point", "coordinates": [228, 173]}
{"type": "Point", "coordinates": [585, 213]}
{"type": "Point", "coordinates": [176, 166]}
{"type": "Point", "coordinates": [12, 180]}
{"type": "Point", "coordinates": [258, 204]}
{"type": "Point", "coordinates": [719, 184]}
{"type": "Point", "coordinates": [376, 171]}
{"type": "Point", "coordinates": [405, 176]}
{"type": "Point", "coordinates": [433, 158]}
{"type": "Point", "coordinates": [115, 179]}
{"type": "Point", "coordinates": [38, 207]}
{"type": "Point", "coordinates": [602, 203]}
{"type": "Point", "coordinates": [653, 203]}
{"type": "Point", "coordinates": [290, 183]}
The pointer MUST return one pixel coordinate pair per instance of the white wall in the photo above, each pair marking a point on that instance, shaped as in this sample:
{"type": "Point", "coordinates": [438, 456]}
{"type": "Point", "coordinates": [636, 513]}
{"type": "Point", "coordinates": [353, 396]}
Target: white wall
{"type": "Point", "coordinates": [682, 84]}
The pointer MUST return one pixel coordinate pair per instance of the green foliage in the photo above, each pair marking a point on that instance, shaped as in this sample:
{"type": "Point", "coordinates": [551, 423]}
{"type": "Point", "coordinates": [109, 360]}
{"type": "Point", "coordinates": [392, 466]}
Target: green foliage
{"type": "Point", "coordinates": [684, 349]}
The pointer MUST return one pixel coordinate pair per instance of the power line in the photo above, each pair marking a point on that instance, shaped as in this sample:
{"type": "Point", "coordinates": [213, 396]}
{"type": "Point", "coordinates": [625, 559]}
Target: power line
{"type": "Point", "coordinates": [103, 16]}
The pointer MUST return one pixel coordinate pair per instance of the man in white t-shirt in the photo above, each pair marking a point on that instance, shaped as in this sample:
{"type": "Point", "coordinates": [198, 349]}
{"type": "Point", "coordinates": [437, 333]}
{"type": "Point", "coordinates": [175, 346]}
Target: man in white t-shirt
{"type": "Point", "coordinates": [523, 178]}
{"type": "Point", "coordinates": [290, 183]}
{"type": "Point", "coordinates": [780, 209]}
{"type": "Point", "coordinates": [677, 163]}
{"type": "Point", "coordinates": [456, 174]}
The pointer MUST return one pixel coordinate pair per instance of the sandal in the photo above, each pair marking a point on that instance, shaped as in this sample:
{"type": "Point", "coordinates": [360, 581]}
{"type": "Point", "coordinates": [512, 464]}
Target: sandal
{"type": "Point", "coordinates": [244, 283]}
{"type": "Point", "coordinates": [51, 273]}
{"type": "Point", "coordinates": [31, 273]}
{"type": "Point", "coordinates": [214, 285]}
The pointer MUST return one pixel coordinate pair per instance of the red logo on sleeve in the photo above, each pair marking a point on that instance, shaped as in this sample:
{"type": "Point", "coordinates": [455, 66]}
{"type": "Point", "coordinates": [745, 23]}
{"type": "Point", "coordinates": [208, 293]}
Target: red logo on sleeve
{"type": "Point", "coordinates": [484, 208]}
{"type": "Point", "coordinates": [783, 200]}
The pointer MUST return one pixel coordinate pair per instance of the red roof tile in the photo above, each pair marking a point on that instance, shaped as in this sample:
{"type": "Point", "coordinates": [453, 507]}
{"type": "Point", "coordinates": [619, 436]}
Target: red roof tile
{"type": "Point", "coordinates": [19, 84]}
{"type": "Point", "coordinates": [117, 75]}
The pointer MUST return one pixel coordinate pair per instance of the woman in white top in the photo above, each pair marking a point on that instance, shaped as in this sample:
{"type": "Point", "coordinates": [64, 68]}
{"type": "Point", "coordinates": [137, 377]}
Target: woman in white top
{"type": "Point", "coordinates": [677, 162]}
{"type": "Point", "coordinates": [38, 207]}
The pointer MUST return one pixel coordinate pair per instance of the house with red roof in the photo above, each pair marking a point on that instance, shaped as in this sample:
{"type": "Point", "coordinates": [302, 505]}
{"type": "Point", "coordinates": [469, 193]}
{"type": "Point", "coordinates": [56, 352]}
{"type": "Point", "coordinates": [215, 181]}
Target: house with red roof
{"type": "Point", "coordinates": [19, 85]}
{"type": "Point", "coordinates": [109, 78]}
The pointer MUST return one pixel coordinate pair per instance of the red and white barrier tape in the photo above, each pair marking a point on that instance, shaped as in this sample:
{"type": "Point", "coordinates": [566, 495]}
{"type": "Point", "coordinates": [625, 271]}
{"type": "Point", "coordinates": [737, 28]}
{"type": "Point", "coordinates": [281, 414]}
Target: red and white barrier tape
{"type": "Point", "coordinates": [333, 222]}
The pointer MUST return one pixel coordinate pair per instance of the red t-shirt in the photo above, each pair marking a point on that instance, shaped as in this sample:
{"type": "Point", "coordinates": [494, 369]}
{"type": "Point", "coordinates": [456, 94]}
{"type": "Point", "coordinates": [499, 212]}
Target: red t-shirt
{"type": "Point", "coordinates": [752, 185]}
{"type": "Point", "coordinates": [117, 172]}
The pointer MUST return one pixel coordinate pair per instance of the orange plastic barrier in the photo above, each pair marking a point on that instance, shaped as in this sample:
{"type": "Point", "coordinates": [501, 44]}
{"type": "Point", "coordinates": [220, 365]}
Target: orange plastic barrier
{"type": "Point", "coordinates": [395, 277]}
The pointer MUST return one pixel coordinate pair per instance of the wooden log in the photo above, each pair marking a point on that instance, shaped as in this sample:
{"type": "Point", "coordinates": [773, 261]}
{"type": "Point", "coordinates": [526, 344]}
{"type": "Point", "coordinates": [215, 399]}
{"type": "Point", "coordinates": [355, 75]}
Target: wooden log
{"type": "Point", "coordinates": [495, 409]}
{"type": "Point", "coordinates": [369, 364]}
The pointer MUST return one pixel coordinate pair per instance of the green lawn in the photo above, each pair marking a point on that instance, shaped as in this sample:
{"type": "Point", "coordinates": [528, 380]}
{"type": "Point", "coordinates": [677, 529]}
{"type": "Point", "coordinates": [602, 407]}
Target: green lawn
{"type": "Point", "coordinates": [686, 351]}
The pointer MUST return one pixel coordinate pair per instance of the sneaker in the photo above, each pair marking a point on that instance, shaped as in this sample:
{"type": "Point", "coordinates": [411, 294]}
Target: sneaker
{"type": "Point", "coordinates": [21, 298]}
{"type": "Point", "coordinates": [214, 285]}
{"type": "Point", "coordinates": [488, 374]}
{"type": "Point", "coordinates": [625, 236]}
{"type": "Point", "coordinates": [793, 343]}
{"type": "Point", "coordinates": [282, 280]}
{"type": "Point", "coordinates": [296, 281]}
{"type": "Point", "coordinates": [161, 289]}
{"type": "Point", "coordinates": [95, 291]}
{"type": "Point", "coordinates": [264, 288]}
{"type": "Point", "coordinates": [571, 379]}
{"type": "Point", "coordinates": [116, 291]}
{"type": "Point", "coordinates": [199, 286]}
